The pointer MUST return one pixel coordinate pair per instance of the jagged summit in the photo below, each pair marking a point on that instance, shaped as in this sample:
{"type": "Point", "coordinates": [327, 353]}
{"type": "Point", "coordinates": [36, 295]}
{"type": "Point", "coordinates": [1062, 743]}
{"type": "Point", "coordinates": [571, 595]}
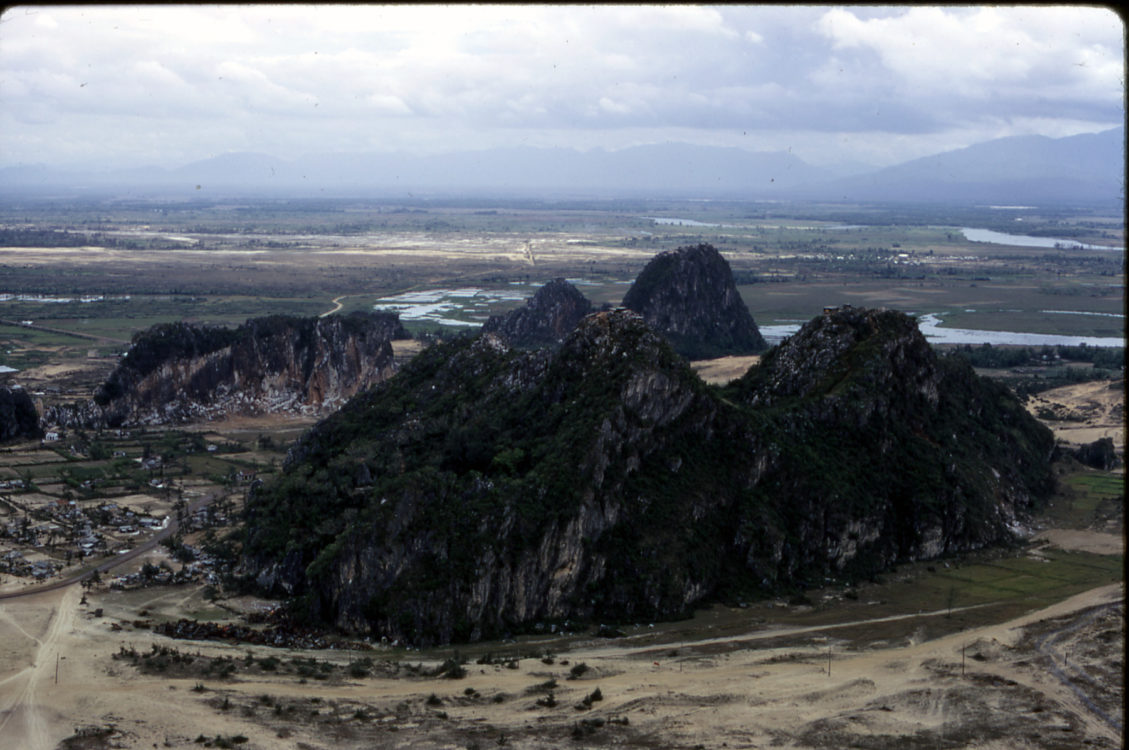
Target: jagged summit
{"type": "Point", "coordinates": [847, 352]}
{"type": "Point", "coordinates": [885, 428]}
{"type": "Point", "coordinates": [485, 489]}
{"type": "Point", "coordinates": [547, 317]}
{"type": "Point", "coordinates": [181, 372]}
{"type": "Point", "coordinates": [688, 295]}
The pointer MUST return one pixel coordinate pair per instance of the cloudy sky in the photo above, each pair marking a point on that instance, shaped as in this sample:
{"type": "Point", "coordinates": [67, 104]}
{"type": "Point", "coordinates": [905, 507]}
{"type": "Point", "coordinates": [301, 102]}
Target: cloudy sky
{"type": "Point", "coordinates": [167, 85]}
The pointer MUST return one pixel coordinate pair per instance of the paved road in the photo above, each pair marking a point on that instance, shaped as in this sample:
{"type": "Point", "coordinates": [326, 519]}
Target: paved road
{"type": "Point", "coordinates": [116, 560]}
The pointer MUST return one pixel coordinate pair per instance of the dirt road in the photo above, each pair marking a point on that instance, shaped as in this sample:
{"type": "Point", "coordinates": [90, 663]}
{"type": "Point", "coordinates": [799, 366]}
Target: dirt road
{"type": "Point", "coordinates": [26, 716]}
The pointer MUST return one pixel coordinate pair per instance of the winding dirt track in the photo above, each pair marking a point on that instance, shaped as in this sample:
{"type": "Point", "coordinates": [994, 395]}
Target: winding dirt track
{"type": "Point", "coordinates": [25, 716]}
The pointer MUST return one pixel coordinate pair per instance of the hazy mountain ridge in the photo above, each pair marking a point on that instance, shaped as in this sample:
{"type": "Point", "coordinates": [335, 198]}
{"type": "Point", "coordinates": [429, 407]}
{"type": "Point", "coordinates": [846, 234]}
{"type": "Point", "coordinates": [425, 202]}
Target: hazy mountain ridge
{"type": "Point", "coordinates": [1075, 169]}
{"type": "Point", "coordinates": [1021, 169]}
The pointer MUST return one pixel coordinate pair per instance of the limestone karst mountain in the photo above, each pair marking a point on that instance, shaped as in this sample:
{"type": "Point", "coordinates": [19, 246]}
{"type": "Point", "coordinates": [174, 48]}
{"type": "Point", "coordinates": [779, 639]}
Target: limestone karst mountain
{"type": "Point", "coordinates": [18, 417]}
{"type": "Point", "coordinates": [688, 295]}
{"type": "Point", "coordinates": [545, 319]}
{"type": "Point", "coordinates": [486, 490]}
{"type": "Point", "coordinates": [180, 372]}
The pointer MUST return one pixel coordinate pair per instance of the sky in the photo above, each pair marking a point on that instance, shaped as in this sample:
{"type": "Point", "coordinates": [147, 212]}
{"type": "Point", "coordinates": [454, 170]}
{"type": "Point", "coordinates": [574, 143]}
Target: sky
{"type": "Point", "coordinates": [835, 85]}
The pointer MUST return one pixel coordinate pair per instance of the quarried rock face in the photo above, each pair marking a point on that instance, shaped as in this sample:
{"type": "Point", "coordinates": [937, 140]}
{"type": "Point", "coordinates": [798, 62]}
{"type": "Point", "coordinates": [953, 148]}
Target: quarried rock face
{"type": "Point", "coordinates": [180, 372]}
{"type": "Point", "coordinates": [689, 297]}
{"type": "Point", "coordinates": [484, 490]}
{"type": "Point", "coordinates": [18, 417]}
{"type": "Point", "coordinates": [547, 317]}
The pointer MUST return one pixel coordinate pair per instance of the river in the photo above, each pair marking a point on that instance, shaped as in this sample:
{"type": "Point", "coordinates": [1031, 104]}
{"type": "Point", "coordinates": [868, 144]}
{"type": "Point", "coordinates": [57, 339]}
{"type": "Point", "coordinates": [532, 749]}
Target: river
{"type": "Point", "coordinates": [930, 326]}
{"type": "Point", "coordinates": [1025, 240]}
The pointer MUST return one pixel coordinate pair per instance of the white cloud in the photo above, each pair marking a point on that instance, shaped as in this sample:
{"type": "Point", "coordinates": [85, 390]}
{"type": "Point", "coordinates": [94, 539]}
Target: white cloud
{"type": "Point", "coordinates": [292, 78]}
{"type": "Point", "coordinates": [981, 52]}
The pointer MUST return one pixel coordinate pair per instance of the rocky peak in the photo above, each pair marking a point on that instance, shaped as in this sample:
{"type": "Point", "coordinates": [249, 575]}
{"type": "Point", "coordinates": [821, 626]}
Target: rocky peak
{"type": "Point", "coordinates": [688, 295]}
{"type": "Point", "coordinates": [547, 317]}
{"type": "Point", "coordinates": [850, 355]}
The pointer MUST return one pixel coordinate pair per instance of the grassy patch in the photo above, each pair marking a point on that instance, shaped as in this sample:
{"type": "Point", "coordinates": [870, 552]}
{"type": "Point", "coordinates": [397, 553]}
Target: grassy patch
{"type": "Point", "coordinates": [1087, 499]}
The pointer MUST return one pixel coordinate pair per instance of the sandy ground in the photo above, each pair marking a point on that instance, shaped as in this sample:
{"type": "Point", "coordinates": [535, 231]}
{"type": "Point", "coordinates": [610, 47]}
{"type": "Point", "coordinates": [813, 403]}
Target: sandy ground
{"type": "Point", "coordinates": [1095, 542]}
{"type": "Point", "coordinates": [724, 369]}
{"type": "Point", "coordinates": [770, 687]}
{"type": "Point", "coordinates": [1092, 411]}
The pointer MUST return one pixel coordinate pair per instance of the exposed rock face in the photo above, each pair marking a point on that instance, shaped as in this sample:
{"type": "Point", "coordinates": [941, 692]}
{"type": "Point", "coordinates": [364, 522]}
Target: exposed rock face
{"type": "Point", "coordinates": [1099, 454]}
{"type": "Point", "coordinates": [547, 317]}
{"type": "Point", "coordinates": [688, 295]}
{"type": "Point", "coordinates": [484, 490]}
{"type": "Point", "coordinates": [889, 451]}
{"type": "Point", "coordinates": [18, 417]}
{"type": "Point", "coordinates": [180, 372]}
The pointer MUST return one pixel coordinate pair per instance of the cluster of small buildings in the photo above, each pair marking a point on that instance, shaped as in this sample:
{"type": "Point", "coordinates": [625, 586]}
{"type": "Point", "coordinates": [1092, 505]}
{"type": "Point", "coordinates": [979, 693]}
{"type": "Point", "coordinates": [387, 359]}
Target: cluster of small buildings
{"type": "Point", "coordinates": [80, 531]}
{"type": "Point", "coordinates": [14, 563]}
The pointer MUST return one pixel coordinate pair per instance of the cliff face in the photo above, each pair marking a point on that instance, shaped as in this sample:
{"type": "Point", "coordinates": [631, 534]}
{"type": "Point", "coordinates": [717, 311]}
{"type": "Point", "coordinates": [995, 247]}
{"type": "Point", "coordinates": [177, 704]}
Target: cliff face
{"type": "Point", "coordinates": [887, 450]}
{"type": "Point", "coordinates": [18, 417]}
{"type": "Point", "coordinates": [484, 490]}
{"type": "Point", "coordinates": [688, 295]}
{"type": "Point", "coordinates": [180, 372]}
{"type": "Point", "coordinates": [547, 317]}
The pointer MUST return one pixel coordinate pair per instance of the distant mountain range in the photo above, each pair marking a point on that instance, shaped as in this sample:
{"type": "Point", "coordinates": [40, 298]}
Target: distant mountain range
{"type": "Point", "coordinates": [1082, 169]}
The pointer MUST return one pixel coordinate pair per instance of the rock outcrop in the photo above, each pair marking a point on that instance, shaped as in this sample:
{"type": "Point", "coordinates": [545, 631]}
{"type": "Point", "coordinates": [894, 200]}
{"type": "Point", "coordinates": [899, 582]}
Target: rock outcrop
{"type": "Point", "coordinates": [1100, 454]}
{"type": "Point", "coordinates": [547, 317]}
{"type": "Point", "coordinates": [484, 490]}
{"type": "Point", "coordinates": [179, 372]}
{"type": "Point", "coordinates": [18, 417]}
{"type": "Point", "coordinates": [888, 451]}
{"type": "Point", "coordinates": [688, 295]}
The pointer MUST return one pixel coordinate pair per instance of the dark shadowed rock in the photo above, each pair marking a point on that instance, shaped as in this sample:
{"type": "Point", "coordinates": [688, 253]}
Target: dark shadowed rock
{"type": "Point", "coordinates": [18, 417]}
{"type": "Point", "coordinates": [547, 317]}
{"type": "Point", "coordinates": [180, 372]}
{"type": "Point", "coordinates": [890, 450]}
{"type": "Point", "coordinates": [484, 489]}
{"type": "Point", "coordinates": [1099, 454]}
{"type": "Point", "coordinates": [688, 295]}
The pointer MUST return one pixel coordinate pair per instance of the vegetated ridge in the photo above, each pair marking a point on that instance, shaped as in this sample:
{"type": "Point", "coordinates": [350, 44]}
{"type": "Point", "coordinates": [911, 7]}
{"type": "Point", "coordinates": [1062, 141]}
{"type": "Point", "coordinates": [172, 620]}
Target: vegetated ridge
{"type": "Point", "coordinates": [688, 295]}
{"type": "Point", "coordinates": [178, 372]}
{"type": "Point", "coordinates": [545, 319]}
{"type": "Point", "coordinates": [18, 417]}
{"type": "Point", "coordinates": [485, 490]}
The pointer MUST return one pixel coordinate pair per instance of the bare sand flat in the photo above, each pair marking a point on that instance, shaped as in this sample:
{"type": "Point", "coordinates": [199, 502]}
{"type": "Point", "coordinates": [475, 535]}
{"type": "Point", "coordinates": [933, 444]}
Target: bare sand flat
{"type": "Point", "coordinates": [1095, 542]}
{"type": "Point", "coordinates": [760, 694]}
{"type": "Point", "coordinates": [724, 369]}
{"type": "Point", "coordinates": [1085, 412]}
